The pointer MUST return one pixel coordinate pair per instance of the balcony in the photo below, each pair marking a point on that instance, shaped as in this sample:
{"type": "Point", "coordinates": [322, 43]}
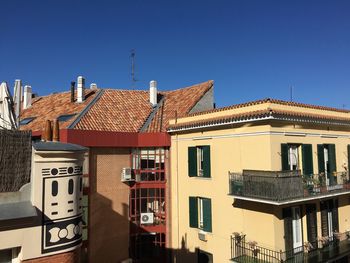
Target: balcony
{"type": "Point", "coordinates": [283, 187]}
{"type": "Point", "coordinates": [323, 250]}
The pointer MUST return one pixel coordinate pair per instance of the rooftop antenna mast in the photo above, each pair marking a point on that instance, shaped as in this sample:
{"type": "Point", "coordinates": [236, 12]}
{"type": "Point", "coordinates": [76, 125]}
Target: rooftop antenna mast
{"type": "Point", "coordinates": [291, 93]}
{"type": "Point", "coordinates": [133, 79]}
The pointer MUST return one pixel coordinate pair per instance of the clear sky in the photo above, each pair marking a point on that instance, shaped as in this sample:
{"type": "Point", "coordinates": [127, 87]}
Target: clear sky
{"type": "Point", "coordinates": [251, 49]}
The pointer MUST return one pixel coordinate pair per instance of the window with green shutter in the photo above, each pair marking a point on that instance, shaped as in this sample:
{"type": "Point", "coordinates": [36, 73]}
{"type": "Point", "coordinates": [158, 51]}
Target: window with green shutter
{"type": "Point", "coordinates": [192, 161]}
{"type": "Point", "coordinates": [199, 161]}
{"type": "Point", "coordinates": [308, 168]}
{"type": "Point", "coordinates": [320, 158]}
{"type": "Point", "coordinates": [200, 213]}
{"type": "Point", "coordinates": [193, 213]}
{"type": "Point", "coordinates": [284, 157]}
{"type": "Point", "coordinates": [206, 161]}
{"type": "Point", "coordinates": [207, 215]}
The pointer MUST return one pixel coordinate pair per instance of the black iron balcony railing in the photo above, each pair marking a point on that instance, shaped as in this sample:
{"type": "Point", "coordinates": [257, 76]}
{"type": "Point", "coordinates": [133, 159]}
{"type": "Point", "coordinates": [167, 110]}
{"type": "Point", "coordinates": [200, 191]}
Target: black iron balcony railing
{"type": "Point", "coordinates": [285, 186]}
{"type": "Point", "coordinates": [322, 250]}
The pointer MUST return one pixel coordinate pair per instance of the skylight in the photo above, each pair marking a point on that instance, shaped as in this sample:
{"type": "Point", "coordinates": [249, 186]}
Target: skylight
{"type": "Point", "coordinates": [65, 117]}
{"type": "Point", "coordinates": [26, 121]}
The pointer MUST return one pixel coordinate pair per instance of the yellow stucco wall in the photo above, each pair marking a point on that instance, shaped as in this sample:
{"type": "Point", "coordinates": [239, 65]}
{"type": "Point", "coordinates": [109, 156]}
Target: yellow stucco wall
{"type": "Point", "coordinates": [250, 146]}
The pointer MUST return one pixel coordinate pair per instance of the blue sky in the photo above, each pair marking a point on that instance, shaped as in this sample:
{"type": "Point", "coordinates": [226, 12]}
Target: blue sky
{"type": "Point", "coordinates": [251, 49]}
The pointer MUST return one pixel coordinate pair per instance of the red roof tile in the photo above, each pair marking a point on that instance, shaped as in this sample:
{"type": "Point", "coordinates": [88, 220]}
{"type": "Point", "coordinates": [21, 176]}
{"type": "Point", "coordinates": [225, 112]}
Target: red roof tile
{"type": "Point", "coordinates": [178, 103]}
{"type": "Point", "coordinates": [51, 107]}
{"type": "Point", "coordinates": [117, 110]}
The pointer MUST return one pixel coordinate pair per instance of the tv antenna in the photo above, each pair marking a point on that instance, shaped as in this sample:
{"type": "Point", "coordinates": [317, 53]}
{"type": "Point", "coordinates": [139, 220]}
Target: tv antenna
{"type": "Point", "coordinates": [291, 92]}
{"type": "Point", "coordinates": [133, 79]}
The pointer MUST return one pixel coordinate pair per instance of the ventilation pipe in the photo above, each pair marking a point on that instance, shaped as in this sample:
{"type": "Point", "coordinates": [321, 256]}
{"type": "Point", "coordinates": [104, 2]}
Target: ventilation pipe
{"type": "Point", "coordinates": [153, 92]}
{"type": "Point", "coordinates": [72, 87]}
{"type": "Point", "coordinates": [81, 89]}
{"type": "Point", "coordinates": [93, 86]}
{"type": "Point", "coordinates": [27, 97]}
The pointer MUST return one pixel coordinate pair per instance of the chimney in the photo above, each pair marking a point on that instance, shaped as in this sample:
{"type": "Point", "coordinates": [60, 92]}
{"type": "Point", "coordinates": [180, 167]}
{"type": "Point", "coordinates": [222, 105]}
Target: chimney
{"type": "Point", "coordinates": [81, 89]}
{"type": "Point", "coordinates": [55, 131]}
{"type": "Point", "coordinates": [93, 86]}
{"type": "Point", "coordinates": [153, 92]}
{"type": "Point", "coordinates": [72, 87]}
{"type": "Point", "coordinates": [27, 97]}
{"type": "Point", "coordinates": [47, 134]}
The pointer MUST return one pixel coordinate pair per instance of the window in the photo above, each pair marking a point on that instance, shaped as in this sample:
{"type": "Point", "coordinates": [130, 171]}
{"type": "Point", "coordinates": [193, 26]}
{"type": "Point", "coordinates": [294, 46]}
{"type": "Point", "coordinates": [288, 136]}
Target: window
{"type": "Point", "coordinates": [297, 157]}
{"type": "Point", "coordinates": [149, 163]}
{"type": "Point", "coordinates": [329, 217]}
{"type": "Point", "coordinates": [148, 200]}
{"type": "Point", "coordinates": [327, 162]}
{"type": "Point", "coordinates": [200, 213]}
{"type": "Point", "coordinates": [26, 121]}
{"type": "Point", "coordinates": [199, 161]}
{"type": "Point", "coordinates": [65, 117]}
{"type": "Point", "coordinates": [204, 257]}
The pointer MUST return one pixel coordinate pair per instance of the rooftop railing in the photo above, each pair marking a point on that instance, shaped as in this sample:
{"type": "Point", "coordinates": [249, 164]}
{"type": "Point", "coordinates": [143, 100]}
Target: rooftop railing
{"type": "Point", "coordinates": [283, 186]}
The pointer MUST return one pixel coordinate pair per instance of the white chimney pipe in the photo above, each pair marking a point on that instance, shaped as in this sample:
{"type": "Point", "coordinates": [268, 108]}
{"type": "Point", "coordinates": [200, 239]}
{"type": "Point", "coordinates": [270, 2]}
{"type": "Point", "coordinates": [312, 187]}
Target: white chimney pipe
{"type": "Point", "coordinates": [81, 89]}
{"type": "Point", "coordinates": [93, 86]}
{"type": "Point", "coordinates": [153, 92]}
{"type": "Point", "coordinates": [27, 97]}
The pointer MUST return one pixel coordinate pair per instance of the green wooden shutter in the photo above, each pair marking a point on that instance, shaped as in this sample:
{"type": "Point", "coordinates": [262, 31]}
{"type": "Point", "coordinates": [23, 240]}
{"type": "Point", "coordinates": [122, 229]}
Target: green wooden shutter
{"type": "Point", "coordinates": [192, 161]}
{"type": "Point", "coordinates": [284, 157]}
{"type": "Point", "coordinates": [335, 217]}
{"type": "Point", "coordinates": [207, 215]}
{"type": "Point", "coordinates": [324, 218]}
{"type": "Point", "coordinates": [332, 164]}
{"type": "Point", "coordinates": [193, 204]}
{"type": "Point", "coordinates": [206, 161]}
{"type": "Point", "coordinates": [332, 158]}
{"type": "Point", "coordinates": [288, 228]}
{"type": "Point", "coordinates": [308, 167]}
{"type": "Point", "coordinates": [311, 222]}
{"type": "Point", "coordinates": [320, 158]}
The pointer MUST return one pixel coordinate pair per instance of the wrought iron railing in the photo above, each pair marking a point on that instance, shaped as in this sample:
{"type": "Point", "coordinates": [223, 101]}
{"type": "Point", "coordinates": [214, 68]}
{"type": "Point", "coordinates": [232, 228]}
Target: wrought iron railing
{"type": "Point", "coordinates": [284, 186]}
{"type": "Point", "coordinates": [322, 249]}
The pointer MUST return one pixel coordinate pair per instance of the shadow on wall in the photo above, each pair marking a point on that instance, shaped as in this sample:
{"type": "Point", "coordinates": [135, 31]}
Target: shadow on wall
{"type": "Point", "coordinates": [109, 238]}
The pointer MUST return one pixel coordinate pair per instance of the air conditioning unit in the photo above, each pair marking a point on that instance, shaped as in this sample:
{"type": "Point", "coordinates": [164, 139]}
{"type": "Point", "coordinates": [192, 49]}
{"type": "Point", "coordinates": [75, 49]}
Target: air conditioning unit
{"type": "Point", "coordinates": [147, 218]}
{"type": "Point", "coordinates": [126, 175]}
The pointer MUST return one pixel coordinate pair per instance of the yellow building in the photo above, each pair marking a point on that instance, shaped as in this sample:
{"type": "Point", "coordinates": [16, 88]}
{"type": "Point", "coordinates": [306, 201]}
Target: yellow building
{"type": "Point", "coordinates": [266, 179]}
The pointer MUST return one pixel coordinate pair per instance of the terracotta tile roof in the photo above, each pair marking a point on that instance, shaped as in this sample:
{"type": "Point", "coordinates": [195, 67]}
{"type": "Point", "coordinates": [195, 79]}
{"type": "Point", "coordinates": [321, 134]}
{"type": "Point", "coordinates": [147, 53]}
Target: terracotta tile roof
{"type": "Point", "coordinates": [51, 107]}
{"type": "Point", "coordinates": [117, 110]}
{"type": "Point", "coordinates": [260, 114]}
{"type": "Point", "coordinates": [281, 102]}
{"type": "Point", "coordinates": [178, 103]}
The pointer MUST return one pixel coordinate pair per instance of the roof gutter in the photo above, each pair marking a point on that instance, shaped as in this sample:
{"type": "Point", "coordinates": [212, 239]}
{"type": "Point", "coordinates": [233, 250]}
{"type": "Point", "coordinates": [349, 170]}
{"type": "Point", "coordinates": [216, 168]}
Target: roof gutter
{"type": "Point", "coordinates": [271, 116]}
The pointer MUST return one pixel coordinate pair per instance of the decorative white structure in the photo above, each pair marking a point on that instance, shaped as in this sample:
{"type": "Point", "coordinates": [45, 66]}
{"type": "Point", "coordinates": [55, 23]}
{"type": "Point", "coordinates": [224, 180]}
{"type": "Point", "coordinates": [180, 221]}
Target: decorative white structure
{"type": "Point", "coordinates": [7, 118]}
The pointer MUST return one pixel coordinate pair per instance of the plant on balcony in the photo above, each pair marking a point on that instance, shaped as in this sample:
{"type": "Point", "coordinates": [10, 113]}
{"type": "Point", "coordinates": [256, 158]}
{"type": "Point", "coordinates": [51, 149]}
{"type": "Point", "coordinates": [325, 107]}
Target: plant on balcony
{"type": "Point", "coordinates": [308, 246]}
{"type": "Point", "coordinates": [238, 237]}
{"type": "Point", "coordinates": [322, 179]}
{"type": "Point", "coordinates": [323, 240]}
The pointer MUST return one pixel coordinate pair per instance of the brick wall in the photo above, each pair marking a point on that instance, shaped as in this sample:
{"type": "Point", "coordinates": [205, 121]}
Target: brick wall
{"type": "Point", "coordinates": [108, 206]}
{"type": "Point", "coordinates": [68, 257]}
